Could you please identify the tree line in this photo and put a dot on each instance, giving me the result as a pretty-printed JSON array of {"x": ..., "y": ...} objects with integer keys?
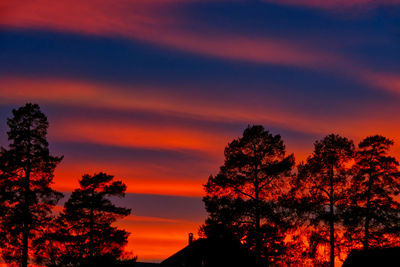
[
  {"x": 82, "y": 233},
  {"x": 341, "y": 197},
  {"x": 263, "y": 209}
]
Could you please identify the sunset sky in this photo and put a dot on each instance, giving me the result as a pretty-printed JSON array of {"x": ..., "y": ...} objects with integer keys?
[{"x": 151, "y": 91}]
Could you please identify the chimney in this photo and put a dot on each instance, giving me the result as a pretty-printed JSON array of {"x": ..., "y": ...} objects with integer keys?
[{"x": 190, "y": 238}]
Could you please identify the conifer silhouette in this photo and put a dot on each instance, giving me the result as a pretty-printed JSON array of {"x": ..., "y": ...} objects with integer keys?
[
  {"x": 373, "y": 211},
  {"x": 246, "y": 189},
  {"x": 85, "y": 235},
  {"x": 322, "y": 183},
  {"x": 26, "y": 176}
]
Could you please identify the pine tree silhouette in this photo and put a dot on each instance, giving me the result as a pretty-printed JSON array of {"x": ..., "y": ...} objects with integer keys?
[
  {"x": 26, "y": 176},
  {"x": 244, "y": 192}
]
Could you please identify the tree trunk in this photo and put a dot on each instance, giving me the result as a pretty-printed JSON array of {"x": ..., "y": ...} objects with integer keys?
[
  {"x": 25, "y": 231},
  {"x": 257, "y": 213},
  {"x": 258, "y": 227},
  {"x": 332, "y": 220},
  {"x": 367, "y": 215},
  {"x": 26, "y": 214},
  {"x": 91, "y": 229}
]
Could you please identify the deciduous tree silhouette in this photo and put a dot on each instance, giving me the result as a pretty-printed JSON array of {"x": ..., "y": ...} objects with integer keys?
[
  {"x": 247, "y": 187},
  {"x": 85, "y": 235},
  {"x": 322, "y": 181},
  {"x": 374, "y": 210},
  {"x": 26, "y": 176}
]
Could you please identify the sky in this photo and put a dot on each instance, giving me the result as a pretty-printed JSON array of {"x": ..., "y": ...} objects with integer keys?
[{"x": 151, "y": 91}]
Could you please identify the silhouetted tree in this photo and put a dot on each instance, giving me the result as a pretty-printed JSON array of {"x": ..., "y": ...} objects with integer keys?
[
  {"x": 85, "y": 235},
  {"x": 224, "y": 246},
  {"x": 6, "y": 192},
  {"x": 26, "y": 176},
  {"x": 244, "y": 193},
  {"x": 374, "y": 211},
  {"x": 322, "y": 182}
]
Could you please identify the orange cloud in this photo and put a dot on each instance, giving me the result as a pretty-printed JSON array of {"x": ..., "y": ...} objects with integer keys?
[
  {"x": 129, "y": 135},
  {"x": 145, "y": 178}
]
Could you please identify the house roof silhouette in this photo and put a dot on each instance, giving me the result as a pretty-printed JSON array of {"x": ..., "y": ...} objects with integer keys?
[
  {"x": 191, "y": 255},
  {"x": 209, "y": 253},
  {"x": 374, "y": 257}
]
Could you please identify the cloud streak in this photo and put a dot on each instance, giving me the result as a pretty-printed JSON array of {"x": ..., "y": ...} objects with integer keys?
[
  {"x": 145, "y": 178},
  {"x": 147, "y": 21},
  {"x": 84, "y": 93},
  {"x": 171, "y": 129}
]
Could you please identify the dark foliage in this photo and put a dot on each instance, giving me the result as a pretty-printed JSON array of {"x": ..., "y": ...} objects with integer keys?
[
  {"x": 26, "y": 176},
  {"x": 373, "y": 212},
  {"x": 83, "y": 234},
  {"x": 243, "y": 196},
  {"x": 259, "y": 213},
  {"x": 321, "y": 186}
]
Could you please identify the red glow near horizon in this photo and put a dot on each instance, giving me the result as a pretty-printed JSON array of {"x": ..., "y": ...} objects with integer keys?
[
  {"x": 153, "y": 239},
  {"x": 66, "y": 180}
]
